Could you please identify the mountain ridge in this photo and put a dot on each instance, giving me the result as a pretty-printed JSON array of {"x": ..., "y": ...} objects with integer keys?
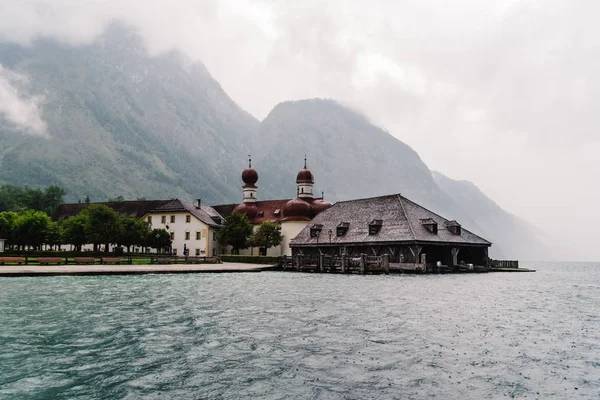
[{"x": 123, "y": 123}]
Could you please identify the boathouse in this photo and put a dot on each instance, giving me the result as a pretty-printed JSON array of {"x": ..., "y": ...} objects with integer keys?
[{"x": 406, "y": 234}]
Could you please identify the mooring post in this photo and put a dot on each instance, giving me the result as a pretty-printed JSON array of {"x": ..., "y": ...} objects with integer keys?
[
  {"x": 363, "y": 263},
  {"x": 321, "y": 262},
  {"x": 344, "y": 264},
  {"x": 385, "y": 263}
]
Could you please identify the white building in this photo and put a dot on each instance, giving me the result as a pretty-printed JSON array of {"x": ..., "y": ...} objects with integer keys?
[{"x": 193, "y": 227}]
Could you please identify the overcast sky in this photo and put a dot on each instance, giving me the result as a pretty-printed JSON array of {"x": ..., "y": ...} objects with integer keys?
[{"x": 504, "y": 94}]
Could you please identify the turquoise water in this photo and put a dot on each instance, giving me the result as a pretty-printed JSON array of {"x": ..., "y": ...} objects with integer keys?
[{"x": 288, "y": 335}]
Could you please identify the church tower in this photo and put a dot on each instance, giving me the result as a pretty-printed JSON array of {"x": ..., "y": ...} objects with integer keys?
[
  {"x": 249, "y": 177},
  {"x": 305, "y": 182}
]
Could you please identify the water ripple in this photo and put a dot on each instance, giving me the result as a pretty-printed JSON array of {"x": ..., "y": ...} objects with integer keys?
[{"x": 285, "y": 335}]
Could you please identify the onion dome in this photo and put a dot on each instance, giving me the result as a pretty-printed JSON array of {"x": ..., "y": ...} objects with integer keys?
[
  {"x": 297, "y": 209},
  {"x": 249, "y": 175},
  {"x": 319, "y": 205},
  {"x": 305, "y": 176},
  {"x": 249, "y": 209}
]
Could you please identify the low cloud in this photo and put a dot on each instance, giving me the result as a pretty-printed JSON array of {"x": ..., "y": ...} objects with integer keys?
[{"x": 18, "y": 107}]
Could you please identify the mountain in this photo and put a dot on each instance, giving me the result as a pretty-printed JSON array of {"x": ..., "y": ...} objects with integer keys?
[
  {"x": 517, "y": 236},
  {"x": 349, "y": 157},
  {"x": 123, "y": 123}
]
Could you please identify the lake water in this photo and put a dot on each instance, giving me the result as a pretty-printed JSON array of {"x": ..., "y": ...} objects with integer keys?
[{"x": 279, "y": 335}]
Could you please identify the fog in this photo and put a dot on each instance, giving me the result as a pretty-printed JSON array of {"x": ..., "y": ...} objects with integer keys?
[{"x": 500, "y": 93}]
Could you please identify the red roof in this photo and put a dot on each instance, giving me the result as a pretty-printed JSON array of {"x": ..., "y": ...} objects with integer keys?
[{"x": 270, "y": 210}]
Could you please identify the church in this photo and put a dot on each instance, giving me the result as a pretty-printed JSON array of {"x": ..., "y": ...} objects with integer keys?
[{"x": 292, "y": 214}]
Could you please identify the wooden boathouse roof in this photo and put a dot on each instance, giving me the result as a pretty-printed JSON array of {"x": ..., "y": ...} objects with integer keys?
[{"x": 401, "y": 220}]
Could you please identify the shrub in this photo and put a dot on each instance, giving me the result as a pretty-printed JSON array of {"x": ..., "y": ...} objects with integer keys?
[{"x": 272, "y": 260}]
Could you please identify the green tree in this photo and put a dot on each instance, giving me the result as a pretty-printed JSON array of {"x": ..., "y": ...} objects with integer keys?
[
  {"x": 235, "y": 232},
  {"x": 88, "y": 200},
  {"x": 7, "y": 220},
  {"x": 132, "y": 231},
  {"x": 14, "y": 198},
  {"x": 267, "y": 235},
  {"x": 158, "y": 239},
  {"x": 54, "y": 234},
  {"x": 75, "y": 230},
  {"x": 53, "y": 197},
  {"x": 30, "y": 228},
  {"x": 103, "y": 225}
]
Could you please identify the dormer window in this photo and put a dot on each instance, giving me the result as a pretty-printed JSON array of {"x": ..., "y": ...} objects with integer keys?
[
  {"x": 342, "y": 228},
  {"x": 261, "y": 214},
  {"x": 277, "y": 212},
  {"x": 430, "y": 225},
  {"x": 315, "y": 230},
  {"x": 375, "y": 226},
  {"x": 454, "y": 227}
]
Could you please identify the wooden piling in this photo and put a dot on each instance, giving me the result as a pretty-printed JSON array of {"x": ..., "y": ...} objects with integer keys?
[{"x": 363, "y": 263}]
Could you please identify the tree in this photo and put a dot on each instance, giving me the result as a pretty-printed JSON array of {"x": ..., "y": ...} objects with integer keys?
[
  {"x": 14, "y": 198},
  {"x": 53, "y": 197},
  {"x": 132, "y": 231},
  {"x": 158, "y": 239},
  {"x": 30, "y": 228},
  {"x": 54, "y": 234},
  {"x": 235, "y": 231},
  {"x": 7, "y": 220},
  {"x": 267, "y": 235},
  {"x": 75, "y": 230},
  {"x": 88, "y": 200},
  {"x": 103, "y": 225}
]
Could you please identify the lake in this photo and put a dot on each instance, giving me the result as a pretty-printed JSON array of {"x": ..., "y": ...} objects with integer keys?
[{"x": 276, "y": 335}]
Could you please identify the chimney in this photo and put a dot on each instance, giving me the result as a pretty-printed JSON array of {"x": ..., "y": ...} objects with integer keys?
[{"x": 198, "y": 203}]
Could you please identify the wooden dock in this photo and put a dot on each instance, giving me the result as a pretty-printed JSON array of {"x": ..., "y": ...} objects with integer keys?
[{"x": 57, "y": 270}]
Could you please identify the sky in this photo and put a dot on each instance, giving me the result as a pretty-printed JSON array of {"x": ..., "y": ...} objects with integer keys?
[{"x": 501, "y": 93}]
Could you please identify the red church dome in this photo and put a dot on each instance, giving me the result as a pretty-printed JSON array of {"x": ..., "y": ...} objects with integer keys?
[
  {"x": 297, "y": 209},
  {"x": 305, "y": 176},
  {"x": 250, "y": 176},
  {"x": 319, "y": 205},
  {"x": 249, "y": 209}
]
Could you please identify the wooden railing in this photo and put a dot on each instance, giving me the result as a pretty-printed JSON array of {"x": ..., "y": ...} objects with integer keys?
[{"x": 504, "y": 263}]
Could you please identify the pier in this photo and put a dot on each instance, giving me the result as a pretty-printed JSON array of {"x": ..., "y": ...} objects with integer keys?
[{"x": 78, "y": 270}]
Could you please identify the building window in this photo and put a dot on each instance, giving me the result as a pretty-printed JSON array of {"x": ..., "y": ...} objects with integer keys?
[
  {"x": 187, "y": 236},
  {"x": 172, "y": 235},
  {"x": 188, "y": 219},
  {"x": 197, "y": 252},
  {"x": 174, "y": 251},
  {"x": 214, "y": 252},
  {"x": 150, "y": 219},
  {"x": 198, "y": 236},
  {"x": 214, "y": 236},
  {"x": 315, "y": 231},
  {"x": 375, "y": 226},
  {"x": 163, "y": 219},
  {"x": 172, "y": 219},
  {"x": 342, "y": 228}
]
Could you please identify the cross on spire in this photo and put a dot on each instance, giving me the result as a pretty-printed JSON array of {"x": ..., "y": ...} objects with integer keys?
[
  {"x": 305, "y": 160},
  {"x": 249, "y": 161}
]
